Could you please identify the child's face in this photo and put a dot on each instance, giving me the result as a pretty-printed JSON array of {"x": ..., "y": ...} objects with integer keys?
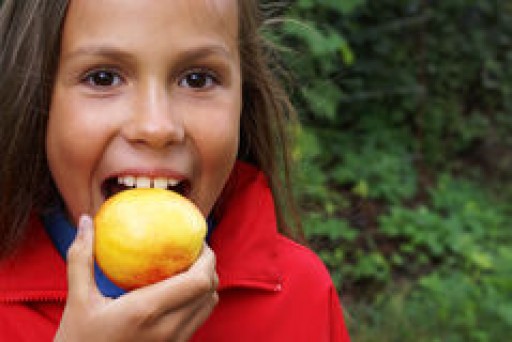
[{"x": 145, "y": 90}]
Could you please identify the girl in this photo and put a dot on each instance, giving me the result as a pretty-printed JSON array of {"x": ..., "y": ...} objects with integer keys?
[{"x": 93, "y": 92}]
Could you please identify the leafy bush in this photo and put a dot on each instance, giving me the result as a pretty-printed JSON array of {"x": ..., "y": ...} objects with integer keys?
[
  {"x": 447, "y": 305},
  {"x": 405, "y": 160}
]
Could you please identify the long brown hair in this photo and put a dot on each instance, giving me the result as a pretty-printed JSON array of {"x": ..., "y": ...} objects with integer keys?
[
  {"x": 267, "y": 115},
  {"x": 29, "y": 43},
  {"x": 30, "y": 34}
]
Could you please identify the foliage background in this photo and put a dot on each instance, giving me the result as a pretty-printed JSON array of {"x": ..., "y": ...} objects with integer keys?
[{"x": 405, "y": 160}]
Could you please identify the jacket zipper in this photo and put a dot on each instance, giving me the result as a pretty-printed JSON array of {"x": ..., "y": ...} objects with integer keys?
[{"x": 33, "y": 296}]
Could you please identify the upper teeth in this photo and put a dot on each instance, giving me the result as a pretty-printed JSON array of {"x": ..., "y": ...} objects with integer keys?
[{"x": 147, "y": 182}]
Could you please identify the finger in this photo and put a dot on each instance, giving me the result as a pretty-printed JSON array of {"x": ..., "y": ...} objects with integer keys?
[
  {"x": 204, "y": 269},
  {"x": 198, "y": 317},
  {"x": 201, "y": 278},
  {"x": 80, "y": 261},
  {"x": 206, "y": 261},
  {"x": 181, "y": 324},
  {"x": 181, "y": 289}
]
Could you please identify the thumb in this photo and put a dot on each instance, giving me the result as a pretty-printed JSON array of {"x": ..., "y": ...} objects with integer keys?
[{"x": 80, "y": 261}]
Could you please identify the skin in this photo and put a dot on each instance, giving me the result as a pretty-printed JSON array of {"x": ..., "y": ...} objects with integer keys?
[
  {"x": 145, "y": 116},
  {"x": 149, "y": 88}
]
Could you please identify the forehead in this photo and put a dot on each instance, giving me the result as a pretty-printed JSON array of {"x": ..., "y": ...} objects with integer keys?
[{"x": 131, "y": 21}]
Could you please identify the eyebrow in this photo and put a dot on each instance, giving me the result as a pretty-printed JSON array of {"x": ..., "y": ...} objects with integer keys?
[{"x": 118, "y": 53}]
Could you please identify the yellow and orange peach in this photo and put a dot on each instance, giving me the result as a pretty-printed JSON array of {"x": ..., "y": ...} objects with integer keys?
[{"x": 143, "y": 236}]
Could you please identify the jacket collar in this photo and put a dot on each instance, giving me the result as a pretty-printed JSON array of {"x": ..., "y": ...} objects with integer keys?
[
  {"x": 245, "y": 238},
  {"x": 244, "y": 242}
]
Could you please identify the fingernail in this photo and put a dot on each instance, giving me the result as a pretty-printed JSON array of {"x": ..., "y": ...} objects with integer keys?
[{"x": 84, "y": 226}]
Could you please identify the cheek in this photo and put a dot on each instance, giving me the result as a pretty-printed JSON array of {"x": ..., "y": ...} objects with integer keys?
[
  {"x": 78, "y": 129},
  {"x": 72, "y": 151},
  {"x": 218, "y": 145},
  {"x": 70, "y": 138},
  {"x": 216, "y": 141},
  {"x": 214, "y": 128}
]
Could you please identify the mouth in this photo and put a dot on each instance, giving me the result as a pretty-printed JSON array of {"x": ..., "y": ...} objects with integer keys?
[{"x": 114, "y": 185}]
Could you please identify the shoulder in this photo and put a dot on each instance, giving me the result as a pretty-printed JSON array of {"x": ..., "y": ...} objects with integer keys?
[
  {"x": 313, "y": 302},
  {"x": 301, "y": 266}
]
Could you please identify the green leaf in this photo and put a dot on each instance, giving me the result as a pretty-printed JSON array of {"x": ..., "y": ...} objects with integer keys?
[
  {"x": 332, "y": 228},
  {"x": 322, "y": 97}
]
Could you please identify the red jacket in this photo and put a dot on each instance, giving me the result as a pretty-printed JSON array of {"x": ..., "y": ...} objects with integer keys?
[{"x": 271, "y": 289}]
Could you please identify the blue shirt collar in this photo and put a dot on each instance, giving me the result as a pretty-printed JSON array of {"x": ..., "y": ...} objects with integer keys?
[{"x": 62, "y": 234}]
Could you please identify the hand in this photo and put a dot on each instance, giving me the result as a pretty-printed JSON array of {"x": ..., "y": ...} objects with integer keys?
[{"x": 170, "y": 310}]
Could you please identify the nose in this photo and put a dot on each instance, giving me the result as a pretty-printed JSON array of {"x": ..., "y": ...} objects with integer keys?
[{"x": 152, "y": 121}]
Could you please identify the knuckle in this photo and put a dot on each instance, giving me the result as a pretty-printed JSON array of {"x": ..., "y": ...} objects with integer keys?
[
  {"x": 210, "y": 303},
  {"x": 215, "y": 299},
  {"x": 203, "y": 282},
  {"x": 216, "y": 281},
  {"x": 142, "y": 315},
  {"x": 212, "y": 259},
  {"x": 163, "y": 333}
]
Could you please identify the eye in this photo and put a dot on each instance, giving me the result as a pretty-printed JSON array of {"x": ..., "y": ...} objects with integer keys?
[
  {"x": 198, "y": 79},
  {"x": 102, "y": 78}
]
